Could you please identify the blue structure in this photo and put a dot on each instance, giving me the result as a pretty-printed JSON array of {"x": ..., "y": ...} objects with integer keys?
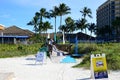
[
  {"x": 68, "y": 59},
  {"x": 76, "y": 54},
  {"x": 55, "y": 37},
  {"x": 13, "y": 39}
]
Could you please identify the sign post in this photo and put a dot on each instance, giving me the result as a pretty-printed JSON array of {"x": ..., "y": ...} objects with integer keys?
[{"x": 99, "y": 67}]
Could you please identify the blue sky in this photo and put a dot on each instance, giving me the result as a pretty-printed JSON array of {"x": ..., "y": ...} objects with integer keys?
[{"x": 20, "y": 12}]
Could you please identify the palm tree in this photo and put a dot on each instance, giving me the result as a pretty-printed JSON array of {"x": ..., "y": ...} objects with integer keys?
[
  {"x": 81, "y": 24},
  {"x": 116, "y": 26},
  {"x": 47, "y": 26},
  {"x": 63, "y": 28},
  {"x": 86, "y": 12},
  {"x": 42, "y": 14},
  {"x": 108, "y": 31},
  {"x": 104, "y": 32},
  {"x": 54, "y": 13},
  {"x": 34, "y": 22},
  {"x": 63, "y": 10},
  {"x": 91, "y": 28},
  {"x": 70, "y": 24}
]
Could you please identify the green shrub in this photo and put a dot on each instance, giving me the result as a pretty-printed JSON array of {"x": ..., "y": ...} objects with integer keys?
[
  {"x": 19, "y": 48},
  {"x": 113, "y": 60},
  {"x": 111, "y": 50},
  {"x": 7, "y": 50},
  {"x": 85, "y": 48}
]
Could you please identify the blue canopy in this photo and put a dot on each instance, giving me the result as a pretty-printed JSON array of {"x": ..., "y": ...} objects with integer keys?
[{"x": 14, "y": 36}]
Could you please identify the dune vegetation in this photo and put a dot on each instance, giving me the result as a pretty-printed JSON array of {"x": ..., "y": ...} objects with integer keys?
[
  {"x": 111, "y": 50},
  {"x": 16, "y": 50}
]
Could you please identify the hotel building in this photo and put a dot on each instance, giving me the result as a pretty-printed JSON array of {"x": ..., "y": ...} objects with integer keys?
[{"x": 107, "y": 12}]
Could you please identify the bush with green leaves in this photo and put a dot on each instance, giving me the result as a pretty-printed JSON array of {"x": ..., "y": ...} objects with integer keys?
[
  {"x": 37, "y": 38},
  {"x": 111, "y": 50},
  {"x": 12, "y": 50}
]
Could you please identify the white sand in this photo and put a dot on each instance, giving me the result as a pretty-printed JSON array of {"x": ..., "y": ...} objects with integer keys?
[{"x": 24, "y": 68}]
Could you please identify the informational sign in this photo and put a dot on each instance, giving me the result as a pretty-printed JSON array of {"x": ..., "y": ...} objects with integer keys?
[
  {"x": 39, "y": 56},
  {"x": 99, "y": 67}
]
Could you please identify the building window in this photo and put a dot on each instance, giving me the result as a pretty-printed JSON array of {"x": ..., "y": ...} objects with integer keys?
[
  {"x": 112, "y": 12},
  {"x": 112, "y": 7},
  {"x": 112, "y": 3}
]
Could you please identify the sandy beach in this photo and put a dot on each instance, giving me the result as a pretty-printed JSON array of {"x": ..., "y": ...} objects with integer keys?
[{"x": 24, "y": 68}]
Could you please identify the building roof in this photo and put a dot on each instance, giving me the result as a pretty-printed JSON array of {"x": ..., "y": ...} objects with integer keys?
[
  {"x": 16, "y": 31},
  {"x": 80, "y": 35},
  {"x": 1, "y": 27}
]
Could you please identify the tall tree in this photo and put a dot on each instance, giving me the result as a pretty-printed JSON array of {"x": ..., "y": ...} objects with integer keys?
[
  {"x": 116, "y": 26},
  {"x": 70, "y": 23},
  {"x": 108, "y": 31},
  {"x": 47, "y": 26},
  {"x": 42, "y": 14},
  {"x": 34, "y": 22},
  {"x": 63, "y": 10},
  {"x": 86, "y": 12},
  {"x": 63, "y": 28},
  {"x": 91, "y": 28},
  {"x": 104, "y": 32},
  {"x": 54, "y": 13},
  {"x": 81, "y": 24}
]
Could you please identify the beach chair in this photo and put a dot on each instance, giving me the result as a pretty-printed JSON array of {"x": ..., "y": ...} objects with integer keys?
[
  {"x": 56, "y": 52},
  {"x": 39, "y": 57}
]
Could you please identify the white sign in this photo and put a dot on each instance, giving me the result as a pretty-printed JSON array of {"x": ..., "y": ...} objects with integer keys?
[{"x": 39, "y": 57}]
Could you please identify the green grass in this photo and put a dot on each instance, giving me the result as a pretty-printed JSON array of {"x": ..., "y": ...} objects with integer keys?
[
  {"x": 7, "y": 50},
  {"x": 112, "y": 51}
]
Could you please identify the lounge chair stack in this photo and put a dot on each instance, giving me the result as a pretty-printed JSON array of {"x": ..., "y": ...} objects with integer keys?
[{"x": 56, "y": 52}]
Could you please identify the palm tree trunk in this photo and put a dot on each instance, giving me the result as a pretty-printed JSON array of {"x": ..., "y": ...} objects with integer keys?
[
  {"x": 63, "y": 30},
  {"x": 63, "y": 37},
  {"x": 55, "y": 30},
  {"x": 60, "y": 20},
  {"x": 55, "y": 24},
  {"x": 90, "y": 36},
  {"x": 85, "y": 31}
]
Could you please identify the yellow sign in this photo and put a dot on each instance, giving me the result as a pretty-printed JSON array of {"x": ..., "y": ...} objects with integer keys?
[{"x": 99, "y": 66}]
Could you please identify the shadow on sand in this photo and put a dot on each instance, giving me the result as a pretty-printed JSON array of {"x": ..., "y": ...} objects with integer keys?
[
  {"x": 30, "y": 59},
  {"x": 84, "y": 79},
  {"x": 34, "y": 64}
]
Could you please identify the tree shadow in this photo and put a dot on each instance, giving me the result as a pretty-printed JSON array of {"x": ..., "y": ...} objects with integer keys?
[
  {"x": 30, "y": 58},
  {"x": 34, "y": 64},
  {"x": 84, "y": 79}
]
